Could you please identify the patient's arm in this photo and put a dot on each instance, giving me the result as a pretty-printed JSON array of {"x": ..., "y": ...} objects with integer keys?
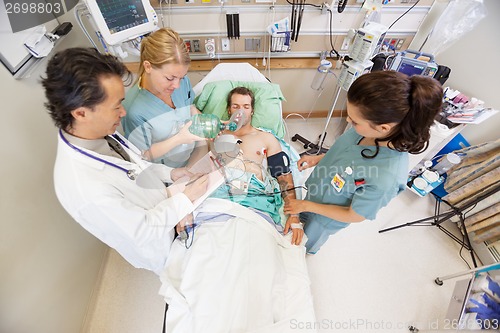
[{"x": 285, "y": 182}]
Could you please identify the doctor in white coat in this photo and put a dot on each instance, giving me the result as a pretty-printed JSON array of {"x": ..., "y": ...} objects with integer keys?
[{"x": 99, "y": 176}]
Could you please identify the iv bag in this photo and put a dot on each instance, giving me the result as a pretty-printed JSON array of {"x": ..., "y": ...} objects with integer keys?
[{"x": 459, "y": 17}]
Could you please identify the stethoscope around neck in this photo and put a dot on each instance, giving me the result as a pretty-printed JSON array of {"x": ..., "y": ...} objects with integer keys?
[{"x": 131, "y": 174}]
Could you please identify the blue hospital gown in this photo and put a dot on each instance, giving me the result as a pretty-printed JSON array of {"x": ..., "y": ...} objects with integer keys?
[{"x": 264, "y": 196}]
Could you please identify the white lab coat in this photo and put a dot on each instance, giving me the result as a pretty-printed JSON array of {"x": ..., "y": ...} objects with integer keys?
[{"x": 138, "y": 222}]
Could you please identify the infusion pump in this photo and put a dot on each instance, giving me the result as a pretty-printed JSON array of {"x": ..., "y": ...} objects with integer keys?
[
  {"x": 351, "y": 70},
  {"x": 413, "y": 63}
]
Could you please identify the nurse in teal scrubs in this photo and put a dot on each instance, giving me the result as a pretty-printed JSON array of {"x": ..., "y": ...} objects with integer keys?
[
  {"x": 367, "y": 167},
  {"x": 160, "y": 103}
]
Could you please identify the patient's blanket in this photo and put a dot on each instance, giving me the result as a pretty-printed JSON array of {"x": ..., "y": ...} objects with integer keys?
[
  {"x": 238, "y": 275},
  {"x": 263, "y": 195},
  {"x": 248, "y": 190}
]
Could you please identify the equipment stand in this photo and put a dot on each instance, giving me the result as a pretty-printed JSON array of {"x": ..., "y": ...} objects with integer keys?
[
  {"x": 439, "y": 218},
  {"x": 317, "y": 149}
]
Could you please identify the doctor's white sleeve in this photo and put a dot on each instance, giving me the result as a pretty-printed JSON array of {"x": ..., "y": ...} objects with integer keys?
[{"x": 142, "y": 235}]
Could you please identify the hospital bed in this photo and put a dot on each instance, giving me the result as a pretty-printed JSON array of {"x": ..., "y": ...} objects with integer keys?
[{"x": 236, "y": 272}]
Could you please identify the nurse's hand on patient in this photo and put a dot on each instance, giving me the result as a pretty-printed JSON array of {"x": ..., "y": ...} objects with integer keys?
[
  {"x": 294, "y": 224},
  {"x": 196, "y": 187},
  {"x": 294, "y": 206},
  {"x": 308, "y": 161}
]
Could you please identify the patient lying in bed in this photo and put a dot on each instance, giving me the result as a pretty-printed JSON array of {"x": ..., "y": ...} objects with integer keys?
[
  {"x": 258, "y": 173},
  {"x": 236, "y": 272}
]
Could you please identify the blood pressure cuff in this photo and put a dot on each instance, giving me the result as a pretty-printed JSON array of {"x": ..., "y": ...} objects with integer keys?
[{"x": 279, "y": 164}]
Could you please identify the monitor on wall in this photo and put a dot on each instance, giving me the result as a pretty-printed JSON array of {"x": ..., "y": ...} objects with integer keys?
[{"x": 122, "y": 20}]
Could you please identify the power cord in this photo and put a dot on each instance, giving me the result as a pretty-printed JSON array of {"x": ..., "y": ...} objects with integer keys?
[
  {"x": 165, "y": 319},
  {"x": 306, "y": 4},
  {"x": 403, "y": 15},
  {"x": 331, "y": 36}
]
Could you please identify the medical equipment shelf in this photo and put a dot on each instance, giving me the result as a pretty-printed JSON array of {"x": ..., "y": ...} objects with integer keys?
[{"x": 275, "y": 63}]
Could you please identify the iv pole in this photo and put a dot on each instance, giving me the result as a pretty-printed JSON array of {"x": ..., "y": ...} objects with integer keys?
[{"x": 317, "y": 149}]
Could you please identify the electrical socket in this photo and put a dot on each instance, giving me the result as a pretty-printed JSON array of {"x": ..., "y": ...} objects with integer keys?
[
  {"x": 196, "y": 45},
  {"x": 188, "y": 45},
  {"x": 225, "y": 46}
]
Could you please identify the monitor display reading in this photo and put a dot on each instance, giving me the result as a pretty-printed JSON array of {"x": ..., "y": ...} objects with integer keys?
[
  {"x": 410, "y": 69},
  {"x": 121, "y": 15},
  {"x": 119, "y": 21}
]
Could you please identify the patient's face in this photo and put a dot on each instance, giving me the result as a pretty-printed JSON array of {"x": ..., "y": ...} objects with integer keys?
[{"x": 243, "y": 102}]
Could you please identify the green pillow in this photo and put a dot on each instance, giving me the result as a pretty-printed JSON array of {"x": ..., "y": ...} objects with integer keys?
[{"x": 267, "y": 110}]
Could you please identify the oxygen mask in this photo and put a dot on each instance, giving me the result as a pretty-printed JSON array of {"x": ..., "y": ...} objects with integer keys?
[{"x": 236, "y": 121}]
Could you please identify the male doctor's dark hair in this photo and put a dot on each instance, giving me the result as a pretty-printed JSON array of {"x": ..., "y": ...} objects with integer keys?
[{"x": 73, "y": 80}]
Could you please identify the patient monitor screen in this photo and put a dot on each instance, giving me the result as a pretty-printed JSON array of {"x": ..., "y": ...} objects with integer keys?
[
  {"x": 410, "y": 69},
  {"x": 122, "y": 14}
]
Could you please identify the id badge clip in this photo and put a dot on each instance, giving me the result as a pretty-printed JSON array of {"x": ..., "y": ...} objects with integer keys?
[{"x": 338, "y": 181}]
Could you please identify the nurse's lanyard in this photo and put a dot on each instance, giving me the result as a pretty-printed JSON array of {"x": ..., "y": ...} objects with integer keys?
[{"x": 131, "y": 174}]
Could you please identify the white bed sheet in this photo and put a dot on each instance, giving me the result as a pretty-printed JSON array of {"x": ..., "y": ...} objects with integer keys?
[{"x": 240, "y": 275}]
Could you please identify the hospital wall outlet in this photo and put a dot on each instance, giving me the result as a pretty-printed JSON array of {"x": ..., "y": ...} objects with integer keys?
[
  {"x": 210, "y": 47},
  {"x": 188, "y": 45},
  {"x": 196, "y": 45},
  {"x": 225, "y": 46}
]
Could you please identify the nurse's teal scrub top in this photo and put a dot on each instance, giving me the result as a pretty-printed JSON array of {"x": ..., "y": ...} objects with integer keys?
[{"x": 369, "y": 183}]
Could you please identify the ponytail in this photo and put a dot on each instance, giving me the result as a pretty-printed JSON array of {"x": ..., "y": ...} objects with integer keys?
[
  {"x": 412, "y": 102},
  {"x": 425, "y": 101}
]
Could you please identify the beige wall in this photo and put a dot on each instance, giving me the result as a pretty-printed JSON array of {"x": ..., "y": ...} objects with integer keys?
[
  {"x": 48, "y": 263},
  {"x": 473, "y": 60}
]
